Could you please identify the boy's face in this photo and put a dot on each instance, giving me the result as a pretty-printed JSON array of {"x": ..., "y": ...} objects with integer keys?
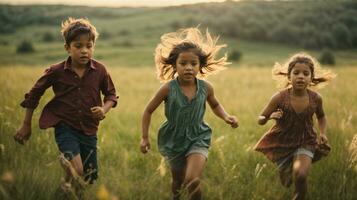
[
  {"x": 81, "y": 50},
  {"x": 187, "y": 65}
]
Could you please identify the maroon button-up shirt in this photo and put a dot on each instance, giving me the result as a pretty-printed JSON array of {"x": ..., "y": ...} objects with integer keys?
[{"x": 74, "y": 96}]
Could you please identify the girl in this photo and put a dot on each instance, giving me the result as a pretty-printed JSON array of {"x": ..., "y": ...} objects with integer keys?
[
  {"x": 184, "y": 138},
  {"x": 292, "y": 142}
]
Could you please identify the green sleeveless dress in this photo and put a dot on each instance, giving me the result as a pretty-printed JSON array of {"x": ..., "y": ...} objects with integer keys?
[{"x": 184, "y": 127}]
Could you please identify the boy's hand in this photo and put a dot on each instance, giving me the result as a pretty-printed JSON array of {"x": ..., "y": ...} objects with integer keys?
[
  {"x": 232, "y": 120},
  {"x": 23, "y": 134},
  {"x": 144, "y": 145},
  {"x": 277, "y": 114},
  {"x": 98, "y": 112}
]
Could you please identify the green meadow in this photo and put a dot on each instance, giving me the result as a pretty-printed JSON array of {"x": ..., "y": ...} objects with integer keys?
[{"x": 126, "y": 45}]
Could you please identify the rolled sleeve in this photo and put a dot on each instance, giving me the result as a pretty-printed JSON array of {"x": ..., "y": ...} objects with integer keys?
[
  {"x": 32, "y": 98},
  {"x": 108, "y": 90}
]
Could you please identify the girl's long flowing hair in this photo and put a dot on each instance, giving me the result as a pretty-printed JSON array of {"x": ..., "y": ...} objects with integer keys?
[
  {"x": 172, "y": 44},
  {"x": 319, "y": 77}
]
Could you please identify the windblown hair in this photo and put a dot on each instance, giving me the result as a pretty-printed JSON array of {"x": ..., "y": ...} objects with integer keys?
[
  {"x": 319, "y": 77},
  {"x": 72, "y": 28},
  {"x": 190, "y": 39}
]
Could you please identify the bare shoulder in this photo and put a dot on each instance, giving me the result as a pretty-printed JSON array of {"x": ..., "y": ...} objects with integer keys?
[
  {"x": 276, "y": 97},
  {"x": 164, "y": 89},
  {"x": 208, "y": 85}
]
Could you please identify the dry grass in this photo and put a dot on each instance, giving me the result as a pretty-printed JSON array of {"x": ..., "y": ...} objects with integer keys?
[{"x": 233, "y": 170}]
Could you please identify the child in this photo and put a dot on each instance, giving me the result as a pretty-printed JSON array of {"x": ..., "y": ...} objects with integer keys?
[
  {"x": 76, "y": 109},
  {"x": 292, "y": 143},
  {"x": 184, "y": 138}
]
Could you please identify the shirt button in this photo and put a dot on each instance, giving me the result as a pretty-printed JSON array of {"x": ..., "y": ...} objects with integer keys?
[
  {"x": 79, "y": 88},
  {"x": 79, "y": 111}
]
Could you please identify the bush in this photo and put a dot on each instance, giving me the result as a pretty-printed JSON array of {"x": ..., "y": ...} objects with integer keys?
[
  {"x": 25, "y": 47},
  {"x": 125, "y": 43},
  {"x": 235, "y": 55},
  {"x": 175, "y": 25},
  {"x": 105, "y": 35},
  {"x": 124, "y": 32},
  {"x": 48, "y": 37},
  {"x": 327, "y": 58}
]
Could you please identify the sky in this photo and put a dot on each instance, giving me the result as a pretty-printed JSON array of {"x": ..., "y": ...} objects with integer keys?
[{"x": 116, "y": 3}]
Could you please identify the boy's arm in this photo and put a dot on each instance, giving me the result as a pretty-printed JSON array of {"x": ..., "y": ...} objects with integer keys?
[
  {"x": 33, "y": 97},
  {"x": 110, "y": 98},
  {"x": 218, "y": 109},
  {"x": 31, "y": 102},
  {"x": 159, "y": 97},
  {"x": 108, "y": 105},
  {"x": 269, "y": 109},
  {"x": 99, "y": 112},
  {"x": 24, "y": 132},
  {"x": 108, "y": 90}
]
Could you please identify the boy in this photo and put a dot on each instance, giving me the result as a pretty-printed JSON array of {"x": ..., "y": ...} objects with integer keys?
[{"x": 76, "y": 109}]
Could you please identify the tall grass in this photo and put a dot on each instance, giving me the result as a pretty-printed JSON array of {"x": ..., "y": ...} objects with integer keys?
[{"x": 233, "y": 170}]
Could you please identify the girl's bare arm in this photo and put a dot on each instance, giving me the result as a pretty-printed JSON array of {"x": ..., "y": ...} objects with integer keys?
[
  {"x": 218, "y": 109},
  {"x": 321, "y": 119},
  {"x": 270, "y": 108},
  {"x": 159, "y": 97}
]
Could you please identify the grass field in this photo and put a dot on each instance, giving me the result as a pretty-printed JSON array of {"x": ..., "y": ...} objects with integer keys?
[
  {"x": 233, "y": 170},
  {"x": 126, "y": 45}
]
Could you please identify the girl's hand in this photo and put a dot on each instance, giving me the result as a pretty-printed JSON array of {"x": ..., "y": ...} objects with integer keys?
[
  {"x": 323, "y": 138},
  {"x": 232, "y": 120},
  {"x": 23, "y": 134},
  {"x": 98, "y": 112},
  {"x": 277, "y": 114},
  {"x": 144, "y": 145}
]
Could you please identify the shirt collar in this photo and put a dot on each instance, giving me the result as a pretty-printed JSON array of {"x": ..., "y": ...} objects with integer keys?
[{"x": 68, "y": 62}]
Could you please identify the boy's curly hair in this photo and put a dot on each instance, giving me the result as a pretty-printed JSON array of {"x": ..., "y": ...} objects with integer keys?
[
  {"x": 281, "y": 73},
  {"x": 72, "y": 28},
  {"x": 190, "y": 39}
]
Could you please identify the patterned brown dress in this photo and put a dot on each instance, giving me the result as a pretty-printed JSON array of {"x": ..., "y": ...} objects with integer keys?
[{"x": 293, "y": 130}]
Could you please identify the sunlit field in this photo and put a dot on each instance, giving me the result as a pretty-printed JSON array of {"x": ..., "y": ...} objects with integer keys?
[
  {"x": 257, "y": 34},
  {"x": 233, "y": 171}
]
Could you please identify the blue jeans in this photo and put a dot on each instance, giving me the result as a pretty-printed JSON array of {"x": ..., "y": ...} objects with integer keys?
[{"x": 72, "y": 142}]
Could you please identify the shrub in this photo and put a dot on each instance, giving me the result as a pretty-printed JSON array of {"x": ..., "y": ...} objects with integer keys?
[
  {"x": 105, "y": 35},
  {"x": 48, "y": 37},
  {"x": 327, "y": 57},
  {"x": 25, "y": 47},
  {"x": 235, "y": 55}
]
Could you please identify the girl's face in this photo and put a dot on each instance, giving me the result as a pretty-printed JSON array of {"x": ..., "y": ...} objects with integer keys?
[
  {"x": 300, "y": 76},
  {"x": 187, "y": 66}
]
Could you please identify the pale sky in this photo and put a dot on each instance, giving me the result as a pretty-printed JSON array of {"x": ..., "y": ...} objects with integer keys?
[{"x": 117, "y": 3}]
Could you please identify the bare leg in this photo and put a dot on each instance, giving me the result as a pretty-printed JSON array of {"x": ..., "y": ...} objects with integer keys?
[
  {"x": 194, "y": 168},
  {"x": 73, "y": 168},
  {"x": 285, "y": 175},
  {"x": 72, "y": 187},
  {"x": 301, "y": 168},
  {"x": 177, "y": 180}
]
